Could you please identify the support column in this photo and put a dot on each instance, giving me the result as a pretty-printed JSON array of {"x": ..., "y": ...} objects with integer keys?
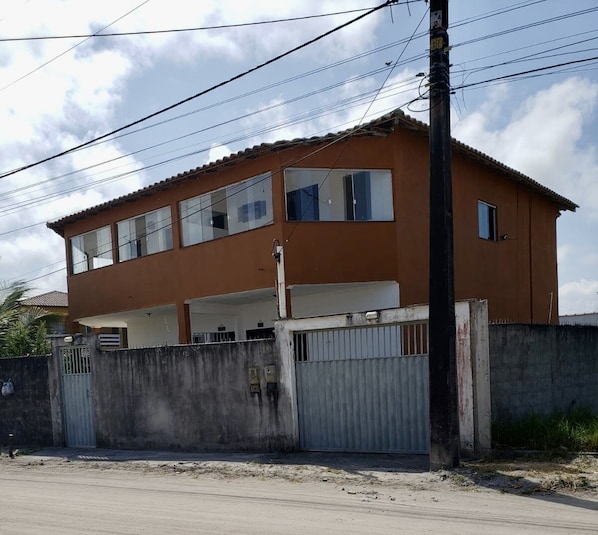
[{"x": 184, "y": 321}]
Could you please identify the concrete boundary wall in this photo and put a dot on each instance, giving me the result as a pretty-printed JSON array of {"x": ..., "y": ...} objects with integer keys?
[
  {"x": 192, "y": 398},
  {"x": 542, "y": 368},
  {"x": 26, "y": 414}
]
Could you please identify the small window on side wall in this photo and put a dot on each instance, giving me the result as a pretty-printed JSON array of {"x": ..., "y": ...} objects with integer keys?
[{"x": 487, "y": 221}]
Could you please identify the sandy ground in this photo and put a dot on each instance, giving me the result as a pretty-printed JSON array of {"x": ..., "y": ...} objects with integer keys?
[
  {"x": 70, "y": 491},
  {"x": 523, "y": 474}
]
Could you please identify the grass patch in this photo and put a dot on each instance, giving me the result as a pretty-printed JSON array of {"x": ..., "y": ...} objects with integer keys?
[{"x": 574, "y": 431}]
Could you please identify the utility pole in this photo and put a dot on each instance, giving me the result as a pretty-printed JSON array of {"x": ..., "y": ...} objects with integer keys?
[{"x": 444, "y": 404}]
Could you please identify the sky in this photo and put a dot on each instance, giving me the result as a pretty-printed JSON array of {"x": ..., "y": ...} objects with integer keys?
[{"x": 525, "y": 91}]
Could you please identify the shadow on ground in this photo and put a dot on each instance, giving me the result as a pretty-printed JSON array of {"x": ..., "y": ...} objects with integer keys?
[{"x": 348, "y": 462}]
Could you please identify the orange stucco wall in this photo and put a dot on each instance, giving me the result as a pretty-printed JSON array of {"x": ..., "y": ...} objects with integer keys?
[{"x": 517, "y": 276}]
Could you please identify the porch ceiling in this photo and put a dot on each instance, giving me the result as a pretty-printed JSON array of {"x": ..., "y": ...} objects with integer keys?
[{"x": 121, "y": 319}]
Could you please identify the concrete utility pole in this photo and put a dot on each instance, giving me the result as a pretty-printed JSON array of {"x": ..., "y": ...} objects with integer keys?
[{"x": 444, "y": 404}]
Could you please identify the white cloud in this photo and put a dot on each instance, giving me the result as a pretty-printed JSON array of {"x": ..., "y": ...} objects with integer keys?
[
  {"x": 578, "y": 297},
  {"x": 217, "y": 152},
  {"x": 541, "y": 138}
]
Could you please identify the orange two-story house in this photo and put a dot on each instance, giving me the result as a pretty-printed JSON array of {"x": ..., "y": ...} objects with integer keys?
[{"x": 189, "y": 259}]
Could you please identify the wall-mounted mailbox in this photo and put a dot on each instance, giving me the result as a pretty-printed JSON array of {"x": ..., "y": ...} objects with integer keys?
[
  {"x": 271, "y": 382},
  {"x": 270, "y": 372},
  {"x": 254, "y": 380}
]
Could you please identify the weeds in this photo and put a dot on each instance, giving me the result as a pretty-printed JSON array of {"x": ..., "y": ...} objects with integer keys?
[{"x": 573, "y": 431}]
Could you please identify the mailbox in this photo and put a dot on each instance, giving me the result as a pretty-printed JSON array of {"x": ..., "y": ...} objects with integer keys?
[{"x": 254, "y": 380}]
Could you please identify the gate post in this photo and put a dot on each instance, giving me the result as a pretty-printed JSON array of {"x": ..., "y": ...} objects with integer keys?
[
  {"x": 285, "y": 347},
  {"x": 55, "y": 391},
  {"x": 473, "y": 376}
]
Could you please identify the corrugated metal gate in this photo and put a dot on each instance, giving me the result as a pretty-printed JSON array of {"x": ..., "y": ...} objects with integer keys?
[
  {"x": 363, "y": 389},
  {"x": 77, "y": 396}
]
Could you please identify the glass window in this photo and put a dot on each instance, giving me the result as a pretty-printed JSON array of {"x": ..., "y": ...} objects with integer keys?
[
  {"x": 145, "y": 234},
  {"x": 338, "y": 195},
  {"x": 242, "y": 206},
  {"x": 487, "y": 221},
  {"x": 91, "y": 250}
]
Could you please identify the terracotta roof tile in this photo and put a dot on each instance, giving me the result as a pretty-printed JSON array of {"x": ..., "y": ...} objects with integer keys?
[
  {"x": 49, "y": 299},
  {"x": 384, "y": 124}
]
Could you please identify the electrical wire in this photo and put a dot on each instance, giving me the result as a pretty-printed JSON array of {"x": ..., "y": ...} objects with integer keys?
[
  {"x": 302, "y": 117},
  {"x": 517, "y": 74},
  {"x": 523, "y": 74},
  {"x": 184, "y": 155},
  {"x": 280, "y": 104},
  {"x": 494, "y": 13},
  {"x": 136, "y": 170},
  {"x": 308, "y": 206},
  {"x": 201, "y": 93},
  {"x": 195, "y": 29},
  {"x": 71, "y": 48}
]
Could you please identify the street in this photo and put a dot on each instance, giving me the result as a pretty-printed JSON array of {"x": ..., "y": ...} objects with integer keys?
[{"x": 63, "y": 497}]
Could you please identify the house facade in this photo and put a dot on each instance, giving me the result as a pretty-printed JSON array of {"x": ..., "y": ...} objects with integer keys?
[{"x": 190, "y": 259}]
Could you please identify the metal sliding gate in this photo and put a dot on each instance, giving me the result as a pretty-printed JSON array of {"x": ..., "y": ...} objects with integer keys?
[
  {"x": 77, "y": 396},
  {"x": 363, "y": 389}
]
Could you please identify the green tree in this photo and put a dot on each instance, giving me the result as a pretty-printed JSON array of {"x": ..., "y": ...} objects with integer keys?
[{"x": 22, "y": 329}]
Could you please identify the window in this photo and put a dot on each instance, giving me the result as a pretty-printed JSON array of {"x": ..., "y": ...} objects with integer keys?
[
  {"x": 487, "y": 221},
  {"x": 91, "y": 250},
  {"x": 338, "y": 195},
  {"x": 144, "y": 235},
  {"x": 242, "y": 206}
]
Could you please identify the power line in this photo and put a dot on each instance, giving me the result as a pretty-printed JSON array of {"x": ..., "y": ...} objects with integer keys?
[
  {"x": 15, "y": 207},
  {"x": 70, "y": 49},
  {"x": 109, "y": 134},
  {"x": 201, "y": 93},
  {"x": 550, "y": 20},
  {"x": 514, "y": 75},
  {"x": 268, "y": 175},
  {"x": 301, "y": 117},
  {"x": 30, "y": 201},
  {"x": 194, "y": 29},
  {"x": 523, "y": 75},
  {"x": 235, "y": 119},
  {"x": 308, "y": 206}
]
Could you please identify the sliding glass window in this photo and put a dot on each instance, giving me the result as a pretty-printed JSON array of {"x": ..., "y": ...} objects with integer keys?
[
  {"x": 237, "y": 208},
  {"x": 338, "y": 195},
  {"x": 144, "y": 234},
  {"x": 91, "y": 250}
]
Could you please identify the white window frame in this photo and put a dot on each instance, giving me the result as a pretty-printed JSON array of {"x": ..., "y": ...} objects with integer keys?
[
  {"x": 323, "y": 194},
  {"x": 154, "y": 237},
  {"x": 91, "y": 250},
  {"x": 233, "y": 209}
]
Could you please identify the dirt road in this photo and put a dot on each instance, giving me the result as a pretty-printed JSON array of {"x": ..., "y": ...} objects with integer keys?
[{"x": 92, "y": 494}]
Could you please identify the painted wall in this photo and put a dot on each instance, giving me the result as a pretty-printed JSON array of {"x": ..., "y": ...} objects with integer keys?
[
  {"x": 191, "y": 398},
  {"x": 542, "y": 368},
  {"x": 155, "y": 330},
  {"x": 510, "y": 273},
  {"x": 517, "y": 276},
  {"x": 374, "y": 296},
  {"x": 26, "y": 414}
]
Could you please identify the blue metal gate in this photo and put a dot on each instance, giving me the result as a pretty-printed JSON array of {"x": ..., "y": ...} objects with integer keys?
[
  {"x": 77, "y": 396},
  {"x": 363, "y": 389}
]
